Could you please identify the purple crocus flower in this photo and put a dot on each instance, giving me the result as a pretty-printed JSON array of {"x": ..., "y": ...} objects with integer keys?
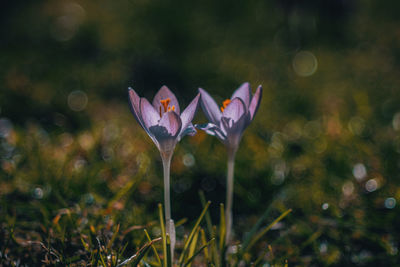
[
  {"x": 162, "y": 120},
  {"x": 165, "y": 125},
  {"x": 229, "y": 121}
]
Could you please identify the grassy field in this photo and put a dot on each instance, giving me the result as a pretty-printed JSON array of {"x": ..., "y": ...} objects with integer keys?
[{"x": 80, "y": 180}]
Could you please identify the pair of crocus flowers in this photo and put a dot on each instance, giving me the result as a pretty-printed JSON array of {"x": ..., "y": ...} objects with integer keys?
[{"x": 164, "y": 122}]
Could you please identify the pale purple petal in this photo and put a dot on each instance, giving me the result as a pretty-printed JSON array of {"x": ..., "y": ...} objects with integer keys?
[
  {"x": 255, "y": 102},
  {"x": 235, "y": 110},
  {"x": 244, "y": 93},
  {"x": 212, "y": 129},
  {"x": 163, "y": 94},
  {"x": 134, "y": 101},
  {"x": 165, "y": 133},
  {"x": 235, "y": 131},
  {"x": 190, "y": 130},
  {"x": 188, "y": 114},
  {"x": 150, "y": 116},
  {"x": 210, "y": 107},
  {"x": 225, "y": 124},
  {"x": 172, "y": 122}
]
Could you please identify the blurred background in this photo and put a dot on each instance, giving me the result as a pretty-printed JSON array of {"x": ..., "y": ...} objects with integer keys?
[{"x": 325, "y": 141}]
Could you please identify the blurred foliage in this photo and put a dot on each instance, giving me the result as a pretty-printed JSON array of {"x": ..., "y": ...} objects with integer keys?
[{"x": 325, "y": 142}]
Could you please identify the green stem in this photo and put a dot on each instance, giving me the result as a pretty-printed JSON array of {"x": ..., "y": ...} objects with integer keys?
[{"x": 229, "y": 194}]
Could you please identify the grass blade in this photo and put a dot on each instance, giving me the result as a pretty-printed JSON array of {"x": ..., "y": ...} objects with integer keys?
[
  {"x": 190, "y": 238},
  {"x": 255, "y": 228},
  {"x": 258, "y": 261},
  {"x": 222, "y": 228},
  {"x": 169, "y": 256},
  {"x": 214, "y": 250},
  {"x": 130, "y": 186},
  {"x": 208, "y": 216},
  {"x": 180, "y": 222},
  {"x": 153, "y": 247},
  {"x": 204, "y": 242},
  {"x": 137, "y": 257},
  {"x": 266, "y": 229},
  {"x": 192, "y": 247},
  {"x": 197, "y": 253},
  {"x": 163, "y": 233},
  {"x": 115, "y": 234}
]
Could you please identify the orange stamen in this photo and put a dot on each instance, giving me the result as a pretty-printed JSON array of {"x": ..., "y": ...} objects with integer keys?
[
  {"x": 225, "y": 104},
  {"x": 165, "y": 103}
]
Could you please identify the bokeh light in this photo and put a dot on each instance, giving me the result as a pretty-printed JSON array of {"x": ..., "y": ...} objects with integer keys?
[
  {"x": 396, "y": 121},
  {"x": 359, "y": 171},
  {"x": 305, "y": 63},
  {"x": 5, "y": 127},
  {"x": 390, "y": 203},
  {"x": 371, "y": 185},
  {"x": 77, "y": 100},
  {"x": 188, "y": 160},
  {"x": 67, "y": 24}
]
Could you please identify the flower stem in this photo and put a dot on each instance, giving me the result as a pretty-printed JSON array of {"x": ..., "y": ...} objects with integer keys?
[
  {"x": 169, "y": 223},
  {"x": 166, "y": 160},
  {"x": 229, "y": 194}
]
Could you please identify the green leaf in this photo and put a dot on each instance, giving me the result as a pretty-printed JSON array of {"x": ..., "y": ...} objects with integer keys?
[
  {"x": 137, "y": 257},
  {"x": 180, "y": 222},
  {"x": 191, "y": 235},
  {"x": 208, "y": 217},
  {"x": 127, "y": 188},
  {"x": 197, "y": 253},
  {"x": 204, "y": 242},
  {"x": 192, "y": 247},
  {"x": 153, "y": 247},
  {"x": 222, "y": 228},
  {"x": 115, "y": 234},
  {"x": 163, "y": 233},
  {"x": 169, "y": 256},
  {"x": 255, "y": 228},
  {"x": 102, "y": 261},
  {"x": 266, "y": 229}
]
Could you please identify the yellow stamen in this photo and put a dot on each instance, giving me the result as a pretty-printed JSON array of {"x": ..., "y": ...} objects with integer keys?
[
  {"x": 171, "y": 108},
  {"x": 225, "y": 104}
]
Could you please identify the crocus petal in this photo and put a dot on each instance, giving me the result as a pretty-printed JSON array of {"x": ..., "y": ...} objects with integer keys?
[
  {"x": 134, "y": 101},
  {"x": 150, "y": 116},
  {"x": 172, "y": 122},
  {"x": 190, "y": 130},
  {"x": 235, "y": 110},
  {"x": 244, "y": 93},
  {"x": 163, "y": 94},
  {"x": 225, "y": 124},
  {"x": 210, "y": 107},
  {"x": 166, "y": 131},
  {"x": 188, "y": 114},
  {"x": 212, "y": 129},
  {"x": 235, "y": 131},
  {"x": 255, "y": 102}
]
